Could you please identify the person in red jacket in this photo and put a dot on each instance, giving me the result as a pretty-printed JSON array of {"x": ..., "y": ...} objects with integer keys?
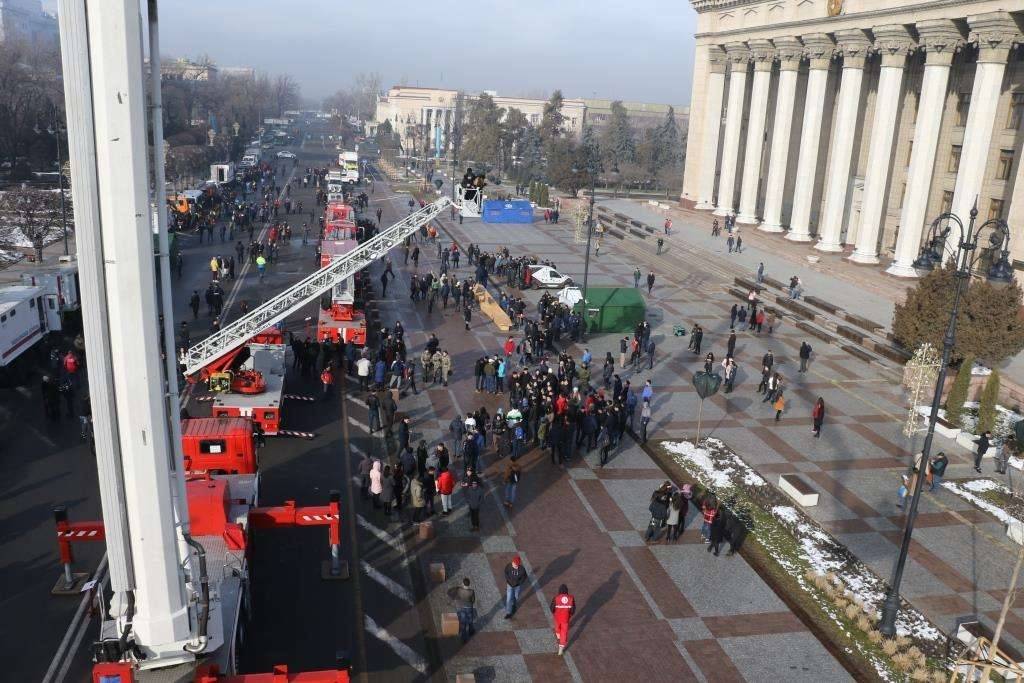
[
  {"x": 563, "y": 606},
  {"x": 327, "y": 377},
  {"x": 445, "y": 486},
  {"x": 510, "y": 347}
]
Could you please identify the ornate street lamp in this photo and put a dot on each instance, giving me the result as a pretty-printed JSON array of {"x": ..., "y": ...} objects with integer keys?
[{"x": 965, "y": 259}]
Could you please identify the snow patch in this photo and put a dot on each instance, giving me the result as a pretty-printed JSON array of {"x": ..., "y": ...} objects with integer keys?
[
  {"x": 966, "y": 490},
  {"x": 719, "y": 468}
]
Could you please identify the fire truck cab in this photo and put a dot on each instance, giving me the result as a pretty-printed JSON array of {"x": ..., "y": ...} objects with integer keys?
[
  {"x": 264, "y": 408},
  {"x": 219, "y": 445}
]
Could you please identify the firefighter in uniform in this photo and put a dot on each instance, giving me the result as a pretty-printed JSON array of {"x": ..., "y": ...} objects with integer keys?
[{"x": 563, "y": 606}]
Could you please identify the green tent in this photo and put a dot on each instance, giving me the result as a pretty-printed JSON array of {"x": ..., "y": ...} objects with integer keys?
[{"x": 613, "y": 309}]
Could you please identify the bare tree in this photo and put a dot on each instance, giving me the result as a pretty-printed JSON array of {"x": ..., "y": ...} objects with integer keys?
[
  {"x": 284, "y": 94},
  {"x": 29, "y": 216}
]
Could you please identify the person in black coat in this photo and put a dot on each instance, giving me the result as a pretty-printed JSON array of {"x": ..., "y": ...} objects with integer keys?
[
  {"x": 404, "y": 433},
  {"x": 983, "y": 442},
  {"x": 718, "y": 527}
]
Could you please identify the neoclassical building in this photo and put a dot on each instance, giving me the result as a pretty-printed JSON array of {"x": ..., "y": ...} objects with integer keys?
[{"x": 853, "y": 123}]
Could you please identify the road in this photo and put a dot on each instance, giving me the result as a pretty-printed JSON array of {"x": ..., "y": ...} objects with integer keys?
[{"x": 298, "y": 619}]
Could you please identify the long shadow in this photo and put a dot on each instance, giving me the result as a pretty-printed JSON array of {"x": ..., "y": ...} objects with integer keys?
[
  {"x": 556, "y": 567},
  {"x": 598, "y": 599}
]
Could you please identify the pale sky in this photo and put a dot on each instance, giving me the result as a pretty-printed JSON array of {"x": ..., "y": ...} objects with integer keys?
[{"x": 638, "y": 50}]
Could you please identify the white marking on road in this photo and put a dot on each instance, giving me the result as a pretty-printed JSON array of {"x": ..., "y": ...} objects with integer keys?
[
  {"x": 411, "y": 657},
  {"x": 397, "y": 589},
  {"x": 384, "y": 536},
  {"x": 362, "y": 425},
  {"x": 76, "y": 630}
]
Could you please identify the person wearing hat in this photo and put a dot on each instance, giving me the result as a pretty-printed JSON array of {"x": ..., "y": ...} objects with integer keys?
[
  {"x": 563, "y": 606},
  {"x": 515, "y": 577}
]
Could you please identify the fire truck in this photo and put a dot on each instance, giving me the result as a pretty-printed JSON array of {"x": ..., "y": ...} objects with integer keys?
[
  {"x": 253, "y": 387},
  {"x": 339, "y": 320},
  {"x": 177, "y": 544},
  {"x": 219, "y": 445}
]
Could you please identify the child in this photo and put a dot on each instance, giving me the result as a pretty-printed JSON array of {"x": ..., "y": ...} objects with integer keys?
[{"x": 902, "y": 493}]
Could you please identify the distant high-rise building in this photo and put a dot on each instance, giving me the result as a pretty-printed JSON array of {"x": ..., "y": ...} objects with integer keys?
[{"x": 26, "y": 20}]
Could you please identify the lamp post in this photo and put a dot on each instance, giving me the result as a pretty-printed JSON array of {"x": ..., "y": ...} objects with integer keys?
[
  {"x": 592, "y": 170},
  {"x": 55, "y": 131},
  {"x": 964, "y": 259}
]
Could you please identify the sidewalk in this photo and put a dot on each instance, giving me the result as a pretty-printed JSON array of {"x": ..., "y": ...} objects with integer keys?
[
  {"x": 960, "y": 561},
  {"x": 651, "y": 612},
  {"x": 865, "y": 290}
]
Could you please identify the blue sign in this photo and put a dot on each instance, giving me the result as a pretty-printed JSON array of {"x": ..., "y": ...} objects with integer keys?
[{"x": 507, "y": 211}]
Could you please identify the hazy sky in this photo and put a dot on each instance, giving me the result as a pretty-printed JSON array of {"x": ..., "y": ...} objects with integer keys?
[{"x": 637, "y": 50}]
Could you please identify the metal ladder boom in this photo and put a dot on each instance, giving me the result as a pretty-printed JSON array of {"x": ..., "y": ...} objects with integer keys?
[{"x": 240, "y": 331}]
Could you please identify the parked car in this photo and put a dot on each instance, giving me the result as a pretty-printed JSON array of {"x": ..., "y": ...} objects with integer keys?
[
  {"x": 285, "y": 154},
  {"x": 546, "y": 276}
]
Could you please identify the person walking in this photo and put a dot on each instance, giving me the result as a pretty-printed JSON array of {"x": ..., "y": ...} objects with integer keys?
[
  {"x": 512, "y": 475},
  {"x": 675, "y": 516},
  {"x": 636, "y": 277},
  {"x": 563, "y": 606},
  {"x": 445, "y": 487},
  {"x": 464, "y": 598},
  {"x": 730, "y": 242},
  {"x": 327, "y": 379},
  {"x": 515, "y": 577},
  {"x": 805, "y": 355},
  {"x": 416, "y": 497},
  {"x": 901, "y": 492},
  {"x": 760, "y": 272},
  {"x": 937, "y": 469},
  {"x": 818, "y": 416},
  {"x": 645, "y": 419},
  {"x": 739, "y": 248},
  {"x": 779, "y": 404},
  {"x": 376, "y": 483},
  {"x": 1000, "y": 457},
  {"x": 474, "y": 493},
  {"x": 983, "y": 442},
  {"x": 730, "y": 347},
  {"x": 650, "y": 281}
]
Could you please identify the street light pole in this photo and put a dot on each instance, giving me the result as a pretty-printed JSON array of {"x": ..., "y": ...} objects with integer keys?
[
  {"x": 60, "y": 182},
  {"x": 586, "y": 260},
  {"x": 931, "y": 255}
]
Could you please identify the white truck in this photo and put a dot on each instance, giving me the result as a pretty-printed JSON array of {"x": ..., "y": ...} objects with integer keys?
[
  {"x": 22, "y": 321},
  {"x": 222, "y": 173},
  {"x": 335, "y": 182},
  {"x": 251, "y": 157},
  {"x": 349, "y": 163}
]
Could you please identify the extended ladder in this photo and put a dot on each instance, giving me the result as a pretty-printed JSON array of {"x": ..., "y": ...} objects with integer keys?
[{"x": 234, "y": 335}]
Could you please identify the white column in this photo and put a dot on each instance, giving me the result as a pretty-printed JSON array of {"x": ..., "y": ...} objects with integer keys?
[
  {"x": 941, "y": 40},
  {"x": 712, "y": 127},
  {"x": 893, "y": 43},
  {"x": 763, "y": 55},
  {"x": 738, "y": 60},
  {"x": 790, "y": 51},
  {"x": 995, "y": 34},
  {"x": 854, "y": 46},
  {"x": 819, "y": 49}
]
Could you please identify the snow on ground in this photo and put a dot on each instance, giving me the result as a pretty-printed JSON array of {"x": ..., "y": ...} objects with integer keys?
[
  {"x": 718, "y": 465},
  {"x": 720, "y": 469},
  {"x": 968, "y": 489}
]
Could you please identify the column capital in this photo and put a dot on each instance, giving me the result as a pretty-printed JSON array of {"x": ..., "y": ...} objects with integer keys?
[
  {"x": 941, "y": 39},
  {"x": 762, "y": 54},
  {"x": 717, "y": 59},
  {"x": 893, "y": 43},
  {"x": 854, "y": 46},
  {"x": 995, "y": 34},
  {"x": 737, "y": 54},
  {"x": 790, "y": 51},
  {"x": 819, "y": 48}
]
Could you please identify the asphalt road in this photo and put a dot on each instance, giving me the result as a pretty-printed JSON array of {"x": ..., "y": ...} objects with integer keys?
[{"x": 298, "y": 619}]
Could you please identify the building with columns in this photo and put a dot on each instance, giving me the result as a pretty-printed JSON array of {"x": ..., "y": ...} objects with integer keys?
[
  {"x": 852, "y": 124},
  {"x": 415, "y": 111}
]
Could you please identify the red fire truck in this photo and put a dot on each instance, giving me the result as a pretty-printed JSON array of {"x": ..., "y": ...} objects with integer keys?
[
  {"x": 339, "y": 320},
  {"x": 254, "y": 388},
  {"x": 219, "y": 445}
]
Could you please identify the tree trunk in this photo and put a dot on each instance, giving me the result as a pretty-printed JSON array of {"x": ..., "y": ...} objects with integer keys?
[{"x": 37, "y": 244}]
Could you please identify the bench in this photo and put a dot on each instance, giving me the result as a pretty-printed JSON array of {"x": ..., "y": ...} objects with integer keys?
[
  {"x": 813, "y": 331},
  {"x": 792, "y": 306},
  {"x": 798, "y": 489},
  {"x": 638, "y": 233},
  {"x": 822, "y": 304},
  {"x": 862, "y": 322},
  {"x": 772, "y": 282},
  {"x": 849, "y": 333},
  {"x": 748, "y": 284},
  {"x": 615, "y": 233},
  {"x": 857, "y": 352},
  {"x": 893, "y": 353}
]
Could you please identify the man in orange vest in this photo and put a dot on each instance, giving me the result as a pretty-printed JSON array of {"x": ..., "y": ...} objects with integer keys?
[
  {"x": 563, "y": 606},
  {"x": 327, "y": 377}
]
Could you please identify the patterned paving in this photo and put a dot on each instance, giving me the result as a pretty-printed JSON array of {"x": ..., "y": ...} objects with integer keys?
[{"x": 660, "y": 612}]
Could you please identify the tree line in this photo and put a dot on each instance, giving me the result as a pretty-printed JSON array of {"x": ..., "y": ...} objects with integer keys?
[{"x": 507, "y": 144}]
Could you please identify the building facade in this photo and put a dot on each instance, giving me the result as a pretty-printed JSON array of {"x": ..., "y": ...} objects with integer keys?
[
  {"x": 26, "y": 20},
  {"x": 854, "y": 123},
  {"x": 414, "y": 111}
]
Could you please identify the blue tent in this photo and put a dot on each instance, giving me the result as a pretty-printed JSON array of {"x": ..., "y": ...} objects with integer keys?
[{"x": 510, "y": 211}]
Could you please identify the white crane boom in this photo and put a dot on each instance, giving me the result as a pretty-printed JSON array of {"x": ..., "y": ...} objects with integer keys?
[{"x": 234, "y": 335}]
